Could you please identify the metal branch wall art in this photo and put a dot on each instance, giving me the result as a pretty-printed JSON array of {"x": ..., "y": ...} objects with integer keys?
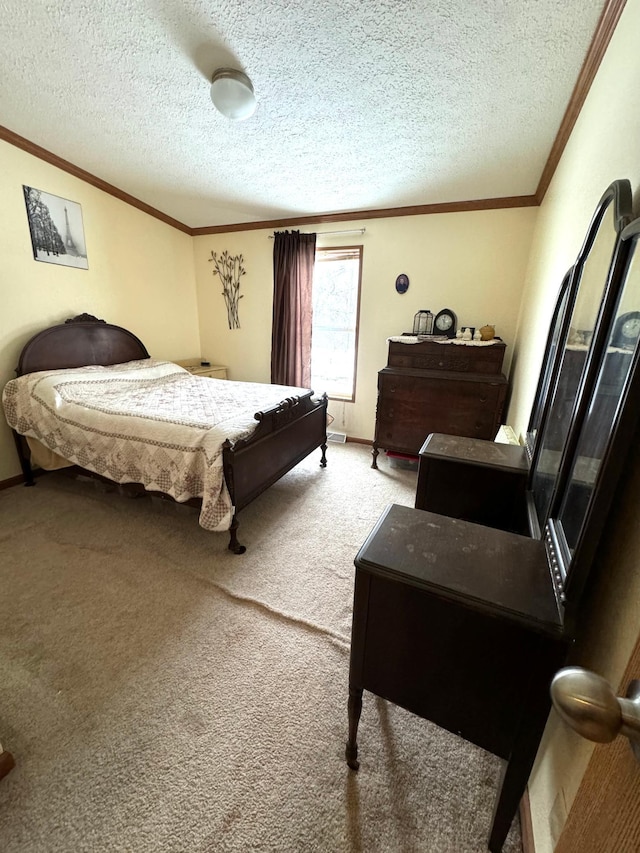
[{"x": 230, "y": 269}]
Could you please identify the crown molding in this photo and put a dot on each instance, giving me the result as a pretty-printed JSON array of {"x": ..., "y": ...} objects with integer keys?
[
  {"x": 42, "y": 154},
  {"x": 601, "y": 37},
  {"x": 599, "y": 43},
  {"x": 378, "y": 213},
  {"x": 318, "y": 218}
]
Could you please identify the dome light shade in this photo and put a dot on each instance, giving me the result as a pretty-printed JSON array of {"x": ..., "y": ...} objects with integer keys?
[{"x": 232, "y": 94}]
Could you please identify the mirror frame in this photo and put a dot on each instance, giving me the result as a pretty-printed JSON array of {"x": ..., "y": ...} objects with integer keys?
[
  {"x": 549, "y": 361},
  {"x": 618, "y": 196},
  {"x": 571, "y": 571}
]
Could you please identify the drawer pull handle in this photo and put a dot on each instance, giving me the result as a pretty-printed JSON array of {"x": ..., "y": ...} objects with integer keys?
[{"x": 483, "y": 399}]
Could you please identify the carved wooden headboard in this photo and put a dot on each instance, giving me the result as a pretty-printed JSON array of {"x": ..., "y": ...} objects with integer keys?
[{"x": 77, "y": 342}]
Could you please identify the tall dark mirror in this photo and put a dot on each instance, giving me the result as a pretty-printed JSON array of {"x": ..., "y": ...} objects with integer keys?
[
  {"x": 549, "y": 361},
  {"x": 592, "y": 290},
  {"x": 607, "y": 429}
]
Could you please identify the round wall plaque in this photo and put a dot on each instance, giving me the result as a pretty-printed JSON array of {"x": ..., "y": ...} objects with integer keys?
[{"x": 402, "y": 283}]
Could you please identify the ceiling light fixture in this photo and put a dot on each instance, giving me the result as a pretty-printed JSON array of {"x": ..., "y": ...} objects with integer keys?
[{"x": 232, "y": 93}]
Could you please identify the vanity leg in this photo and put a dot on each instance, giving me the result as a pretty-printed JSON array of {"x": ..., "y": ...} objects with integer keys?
[
  {"x": 355, "y": 709},
  {"x": 550, "y": 656}
]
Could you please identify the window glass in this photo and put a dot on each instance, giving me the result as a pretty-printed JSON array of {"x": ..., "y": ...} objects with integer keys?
[{"x": 336, "y": 303}]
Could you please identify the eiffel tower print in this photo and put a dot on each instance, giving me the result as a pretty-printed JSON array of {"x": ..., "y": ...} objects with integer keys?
[
  {"x": 56, "y": 227},
  {"x": 69, "y": 245}
]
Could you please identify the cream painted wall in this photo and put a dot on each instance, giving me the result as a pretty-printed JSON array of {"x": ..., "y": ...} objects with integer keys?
[
  {"x": 471, "y": 262},
  {"x": 604, "y": 146},
  {"x": 141, "y": 274}
]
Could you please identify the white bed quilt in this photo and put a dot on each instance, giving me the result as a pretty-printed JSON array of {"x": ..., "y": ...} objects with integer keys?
[{"x": 146, "y": 421}]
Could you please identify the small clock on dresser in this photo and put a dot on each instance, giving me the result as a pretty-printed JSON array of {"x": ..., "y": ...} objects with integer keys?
[
  {"x": 626, "y": 330},
  {"x": 445, "y": 323}
]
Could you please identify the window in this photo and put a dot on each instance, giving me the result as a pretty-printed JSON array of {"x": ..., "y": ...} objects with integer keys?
[{"x": 336, "y": 306}]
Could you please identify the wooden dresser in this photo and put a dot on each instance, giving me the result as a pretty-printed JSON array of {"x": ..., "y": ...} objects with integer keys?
[{"x": 430, "y": 387}]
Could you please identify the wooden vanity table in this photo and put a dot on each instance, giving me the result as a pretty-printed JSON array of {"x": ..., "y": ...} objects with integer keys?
[
  {"x": 458, "y": 616},
  {"x": 459, "y": 624}
]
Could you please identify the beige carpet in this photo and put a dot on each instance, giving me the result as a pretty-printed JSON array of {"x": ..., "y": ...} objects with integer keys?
[{"x": 161, "y": 694}]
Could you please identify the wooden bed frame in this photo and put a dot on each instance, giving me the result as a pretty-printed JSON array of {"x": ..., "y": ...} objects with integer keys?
[{"x": 285, "y": 434}]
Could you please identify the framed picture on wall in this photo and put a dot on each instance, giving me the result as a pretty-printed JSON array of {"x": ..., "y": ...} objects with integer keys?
[{"x": 57, "y": 231}]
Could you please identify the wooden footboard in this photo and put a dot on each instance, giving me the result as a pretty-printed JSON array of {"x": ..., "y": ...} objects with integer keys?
[{"x": 285, "y": 434}]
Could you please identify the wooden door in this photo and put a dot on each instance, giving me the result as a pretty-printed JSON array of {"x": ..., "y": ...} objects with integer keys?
[{"x": 605, "y": 816}]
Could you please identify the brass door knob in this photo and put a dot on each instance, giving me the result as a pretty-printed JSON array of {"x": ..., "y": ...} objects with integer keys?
[{"x": 587, "y": 703}]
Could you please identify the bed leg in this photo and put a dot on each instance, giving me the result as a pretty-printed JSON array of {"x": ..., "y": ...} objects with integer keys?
[
  {"x": 234, "y": 545},
  {"x": 323, "y": 458},
  {"x": 25, "y": 462}
]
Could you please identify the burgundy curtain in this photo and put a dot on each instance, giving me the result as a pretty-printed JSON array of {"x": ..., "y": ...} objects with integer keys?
[{"x": 293, "y": 258}]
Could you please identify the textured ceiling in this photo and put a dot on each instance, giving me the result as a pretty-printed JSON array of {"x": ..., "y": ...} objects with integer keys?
[{"x": 362, "y": 104}]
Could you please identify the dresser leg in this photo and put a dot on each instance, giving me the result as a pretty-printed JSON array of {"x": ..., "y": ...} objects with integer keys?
[
  {"x": 375, "y": 453},
  {"x": 355, "y": 709}
]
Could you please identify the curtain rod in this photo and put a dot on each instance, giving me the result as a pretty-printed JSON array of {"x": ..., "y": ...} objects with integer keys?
[{"x": 322, "y": 233}]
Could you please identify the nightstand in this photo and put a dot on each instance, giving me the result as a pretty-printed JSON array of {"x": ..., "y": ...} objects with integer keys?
[{"x": 213, "y": 371}]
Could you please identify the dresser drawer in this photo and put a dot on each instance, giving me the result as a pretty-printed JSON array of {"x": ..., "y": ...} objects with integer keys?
[
  {"x": 400, "y": 426},
  {"x": 437, "y": 392},
  {"x": 427, "y": 355}
]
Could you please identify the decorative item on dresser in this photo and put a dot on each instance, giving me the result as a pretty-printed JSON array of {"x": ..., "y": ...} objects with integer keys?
[
  {"x": 431, "y": 386},
  {"x": 423, "y": 322},
  {"x": 445, "y": 323},
  {"x": 203, "y": 368}
]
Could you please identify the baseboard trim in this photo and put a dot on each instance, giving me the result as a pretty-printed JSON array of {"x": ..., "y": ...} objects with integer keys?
[
  {"x": 526, "y": 825},
  {"x": 358, "y": 440},
  {"x": 12, "y": 481},
  {"x": 19, "y": 479}
]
